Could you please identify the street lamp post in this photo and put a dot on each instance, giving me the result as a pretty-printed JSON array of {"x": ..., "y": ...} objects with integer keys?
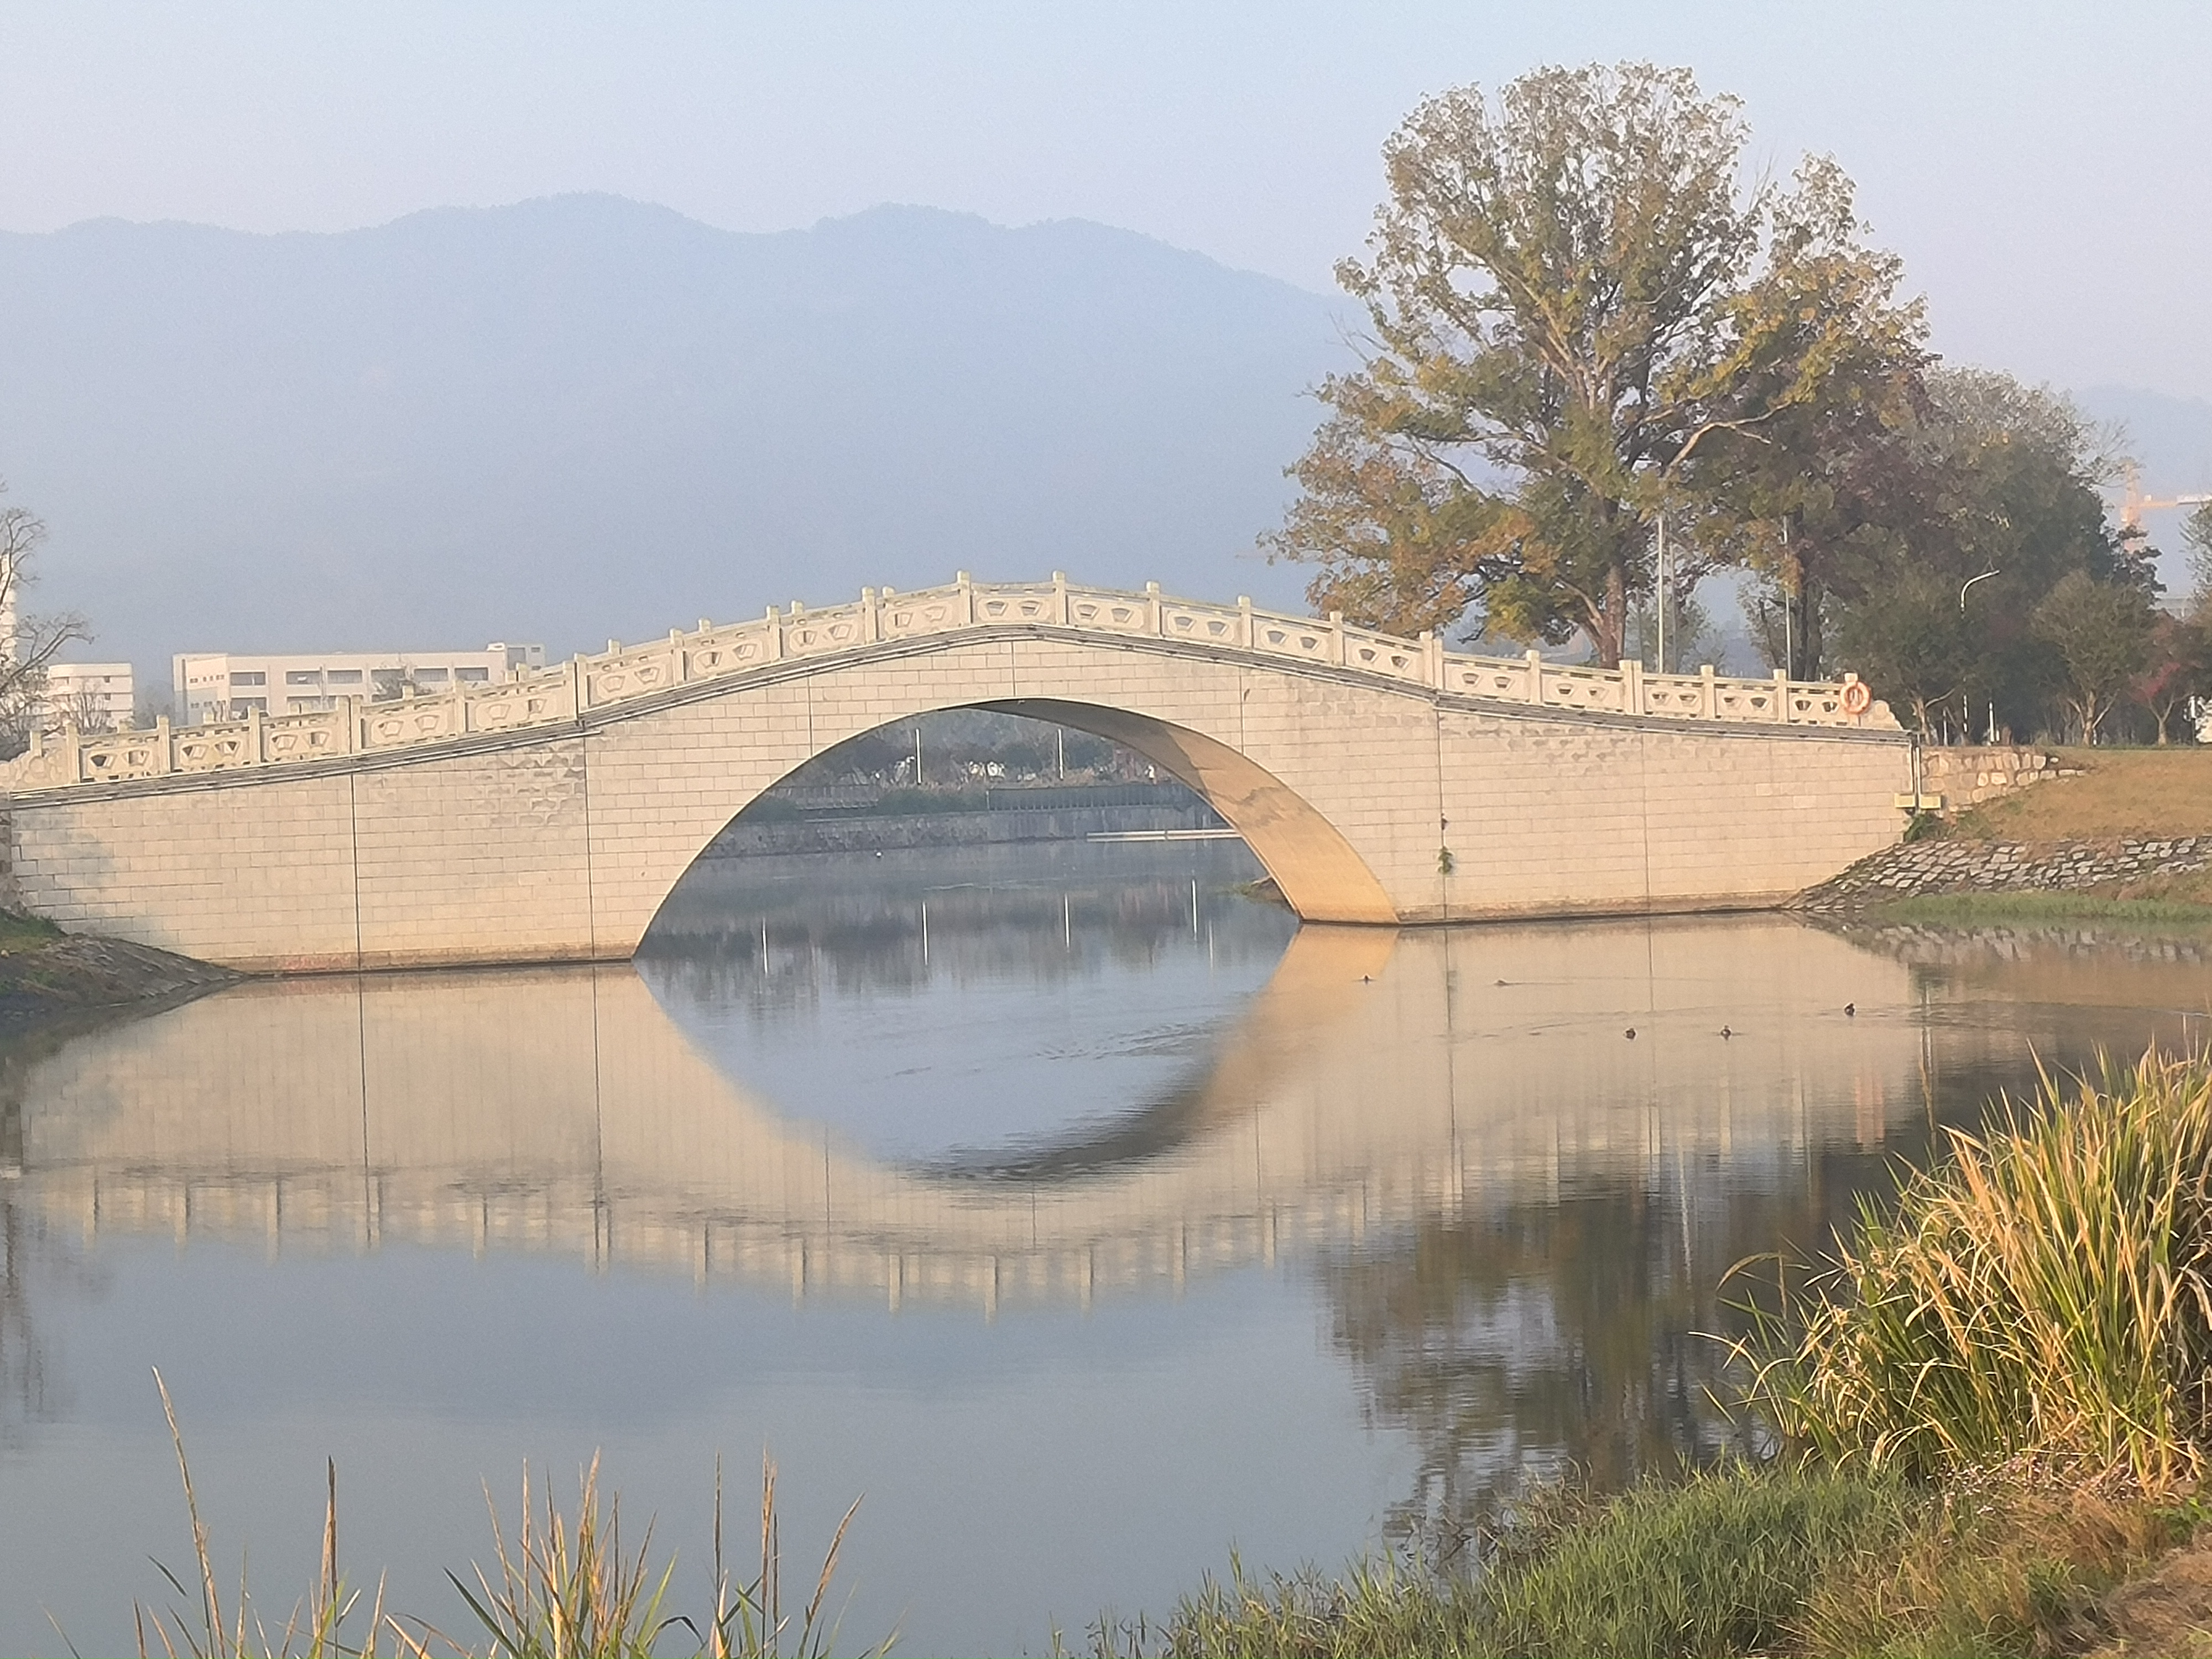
[{"x": 1966, "y": 719}]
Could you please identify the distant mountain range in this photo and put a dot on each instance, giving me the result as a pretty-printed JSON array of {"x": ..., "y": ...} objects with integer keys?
[{"x": 585, "y": 416}]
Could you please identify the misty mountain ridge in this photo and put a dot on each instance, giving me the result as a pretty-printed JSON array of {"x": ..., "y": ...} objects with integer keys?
[{"x": 583, "y": 416}]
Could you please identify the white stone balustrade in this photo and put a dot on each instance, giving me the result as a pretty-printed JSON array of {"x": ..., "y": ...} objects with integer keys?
[{"x": 625, "y": 673}]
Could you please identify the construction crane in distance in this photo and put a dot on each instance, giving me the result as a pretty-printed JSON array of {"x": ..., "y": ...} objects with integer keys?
[{"x": 2134, "y": 503}]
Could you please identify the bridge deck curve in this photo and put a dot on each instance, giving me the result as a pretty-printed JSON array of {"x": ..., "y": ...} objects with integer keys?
[{"x": 1380, "y": 780}]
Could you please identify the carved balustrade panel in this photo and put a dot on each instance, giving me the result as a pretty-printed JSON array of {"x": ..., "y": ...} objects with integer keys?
[
  {"x": 1822, "y": 705},
  {"x": 303, "y": 736},
  {"x": 1110, "y": 613},
  {"x": 529, "y": 704},
  {"x": 1384, "y": 653},
  {"x": 818, "y": 633},
  {"x": 1585, "y": 688},
  {"x": 628, "y": 674},
  {"x": 395, "y": 725},
  {"x": 1481, "y": 676},
  {"x": 1283, "y": 636},
  {"x": 934, "y": 611},
  {"x": 1017, "y": 605},
  {"x": 129, "y": 755},
  {"x": 727, "y": 651},
  {"x": 213, "y": 748},
  {"x": 1743, "y": 700},
  {"x": 1674, "y": 694},
  {"x": 1192, "y": 622}
]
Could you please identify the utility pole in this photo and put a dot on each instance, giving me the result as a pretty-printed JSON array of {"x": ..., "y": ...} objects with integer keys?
[
  {"x": 1789, "y": 605},
  {"x": 1660, "y": 598}
]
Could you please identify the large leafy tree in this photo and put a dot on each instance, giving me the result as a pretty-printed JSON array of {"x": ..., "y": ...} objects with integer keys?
[
  {"x": 2102, "y": 633},
  {"x": 1996, "y": 485},
  {"x": 2178, "y": 669},
  {"x": 1582, "y": 321}
]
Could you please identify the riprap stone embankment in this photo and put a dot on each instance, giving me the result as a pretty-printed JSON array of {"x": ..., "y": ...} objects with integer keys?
[{"x": 1925, "y": 869}]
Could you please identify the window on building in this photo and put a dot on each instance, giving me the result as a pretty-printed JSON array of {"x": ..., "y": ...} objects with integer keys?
[
  {"x": 474, "y": 675},
  {"x": 248, "y": 677},
  {"x": 429, "y": 677},
  {"x": 302, "y": 676},
  {"x": 345, "y": 677},
  {"x": 241, "y": 707}
]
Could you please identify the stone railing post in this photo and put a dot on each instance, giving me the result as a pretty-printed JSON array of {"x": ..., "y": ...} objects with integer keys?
[
  {"x": 1336, "y": 651},
  {"x": 1060, "y": 598},
  {"x": 1781, "y": 694},
  {"x": 576, "y": 687},
  {"x": 872, "y": 615},
  {"x": 772, "y": 646},
  {"x": 1432, "y": 658},
  {"x": 73, "y": 751},
  {"x": 1535, "y": 661},
  {"x": 1709, "y": 692},
  {"x": 1155, "y": 623},
  {"x": 966, "y": 615},
  {"x": 164, "y": 754},
  {"x": 253, "y": 754},
  {"x": 1631, "y": 686}
]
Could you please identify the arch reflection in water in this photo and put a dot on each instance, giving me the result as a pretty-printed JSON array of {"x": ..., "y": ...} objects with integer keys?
[{"x": 1379, "y": 1081}]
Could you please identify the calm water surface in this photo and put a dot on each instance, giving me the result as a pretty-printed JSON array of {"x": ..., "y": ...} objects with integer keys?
[{"x": 1088, "y": 1218}]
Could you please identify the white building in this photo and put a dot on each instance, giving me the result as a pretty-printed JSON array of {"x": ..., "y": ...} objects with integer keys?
[
  {"x": 225, "y": 685},
  {"x": 96, "y": 696}
]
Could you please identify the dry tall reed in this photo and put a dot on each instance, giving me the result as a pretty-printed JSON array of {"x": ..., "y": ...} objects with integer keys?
[
  {"x": 2045, "y": 1295},
  {"x": 564, "y": 1589}
]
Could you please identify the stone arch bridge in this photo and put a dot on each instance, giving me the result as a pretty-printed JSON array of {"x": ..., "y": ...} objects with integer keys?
[{"x": 1379, "y": 780}]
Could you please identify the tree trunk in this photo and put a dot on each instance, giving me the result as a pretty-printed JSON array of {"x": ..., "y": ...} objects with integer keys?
[
  {"x": 1811, "y": 647},
  {"x": 1609, "y": 633}
]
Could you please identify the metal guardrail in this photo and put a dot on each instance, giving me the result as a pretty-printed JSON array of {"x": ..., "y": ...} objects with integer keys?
[{"x": 621, "y": 674}]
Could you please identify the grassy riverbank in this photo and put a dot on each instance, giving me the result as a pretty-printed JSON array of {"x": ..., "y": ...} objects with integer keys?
[
  {"x": 2116, "y": 794},
  {"x": 2119, "y": 793}
]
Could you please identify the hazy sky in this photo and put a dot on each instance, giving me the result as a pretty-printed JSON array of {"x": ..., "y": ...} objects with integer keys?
[{"x": 2039, "y": 166}]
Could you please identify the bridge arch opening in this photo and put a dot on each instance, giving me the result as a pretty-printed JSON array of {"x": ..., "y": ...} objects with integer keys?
[{"x": 1319, "y": 874}]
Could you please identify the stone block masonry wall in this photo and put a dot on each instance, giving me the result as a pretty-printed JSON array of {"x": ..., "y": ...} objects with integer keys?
[
  {"x": 1368, "y": 801},
  {"x": 1924, "y": 869},
  {"x": 1968, "y": 776}
]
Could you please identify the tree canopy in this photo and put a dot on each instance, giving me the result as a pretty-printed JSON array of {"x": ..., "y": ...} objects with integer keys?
[{"x": 1582, "y": 320}]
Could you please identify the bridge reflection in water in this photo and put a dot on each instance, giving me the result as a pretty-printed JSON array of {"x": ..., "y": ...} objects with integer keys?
[{"x": 1378, "y": 1083}]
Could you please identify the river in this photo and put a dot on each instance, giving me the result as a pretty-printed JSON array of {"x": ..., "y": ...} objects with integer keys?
[{"x": 1085, "y": 1217}]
